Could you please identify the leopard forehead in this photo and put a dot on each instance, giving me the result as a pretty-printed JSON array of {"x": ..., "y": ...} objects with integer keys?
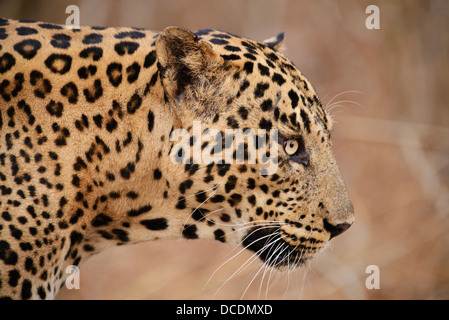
[{"x": 265, "y": 75}]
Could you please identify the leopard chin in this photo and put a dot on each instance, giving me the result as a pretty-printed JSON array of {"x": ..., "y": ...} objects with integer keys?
[{"x": 277, "y": 249}]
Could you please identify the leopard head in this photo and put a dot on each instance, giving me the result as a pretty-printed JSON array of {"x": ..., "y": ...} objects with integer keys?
[{"x": 275, "y": 188}]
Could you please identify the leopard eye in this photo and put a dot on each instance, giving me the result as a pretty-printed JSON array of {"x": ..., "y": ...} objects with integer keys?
[{"x": 291, "y": 147}]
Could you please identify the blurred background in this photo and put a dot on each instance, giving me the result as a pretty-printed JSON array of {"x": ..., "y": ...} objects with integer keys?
[{"x": 389, "y": 93}]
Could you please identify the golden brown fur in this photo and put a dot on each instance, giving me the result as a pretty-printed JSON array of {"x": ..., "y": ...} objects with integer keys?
[{"x": 85, "y": 123}]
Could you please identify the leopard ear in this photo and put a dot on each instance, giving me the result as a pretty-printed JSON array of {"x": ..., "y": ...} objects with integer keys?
[
  {"x": 276, "y": 42},
  {"x": 183, "y": 59}
]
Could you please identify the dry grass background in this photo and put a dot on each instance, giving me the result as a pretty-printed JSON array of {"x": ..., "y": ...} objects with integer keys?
[{"x": 391, "y": 93}]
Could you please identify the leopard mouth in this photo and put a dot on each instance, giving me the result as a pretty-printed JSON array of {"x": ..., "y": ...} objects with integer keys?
[{"x": 273, "y": 247}]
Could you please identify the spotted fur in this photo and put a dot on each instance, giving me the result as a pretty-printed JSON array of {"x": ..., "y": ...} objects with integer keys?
[{"x": 85, "y": 122}]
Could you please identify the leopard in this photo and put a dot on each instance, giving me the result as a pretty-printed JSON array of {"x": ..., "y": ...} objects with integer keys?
[{"x": 87, "y": 122}]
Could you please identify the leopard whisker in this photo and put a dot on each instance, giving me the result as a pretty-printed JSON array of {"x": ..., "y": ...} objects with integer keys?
[
  {"x": 266, "y": 226},
  {"x": 241, "y": 250},
  {"x": 264, "y": 223},
  {"x": 338, "y": 103},
  {"x": 268, "y": 266},
  {"x": 254, "y": 277},
  {"x": 253, "y": 257},
  {"x": 340, "y": 94},
  {"x": 212, "y": 193},
  {"x": 214, "y": 188},
  {"x": 272, "y": 264}
]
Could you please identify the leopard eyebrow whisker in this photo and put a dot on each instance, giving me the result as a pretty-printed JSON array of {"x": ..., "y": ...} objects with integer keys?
[
  {"x": 338, "y": 103},
  {"x": 340, "y": 94},
  {"x": 278, "y": 98}
]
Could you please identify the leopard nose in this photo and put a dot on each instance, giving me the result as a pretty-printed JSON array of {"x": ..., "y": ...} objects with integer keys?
[{"x": 337, "y": 229}]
